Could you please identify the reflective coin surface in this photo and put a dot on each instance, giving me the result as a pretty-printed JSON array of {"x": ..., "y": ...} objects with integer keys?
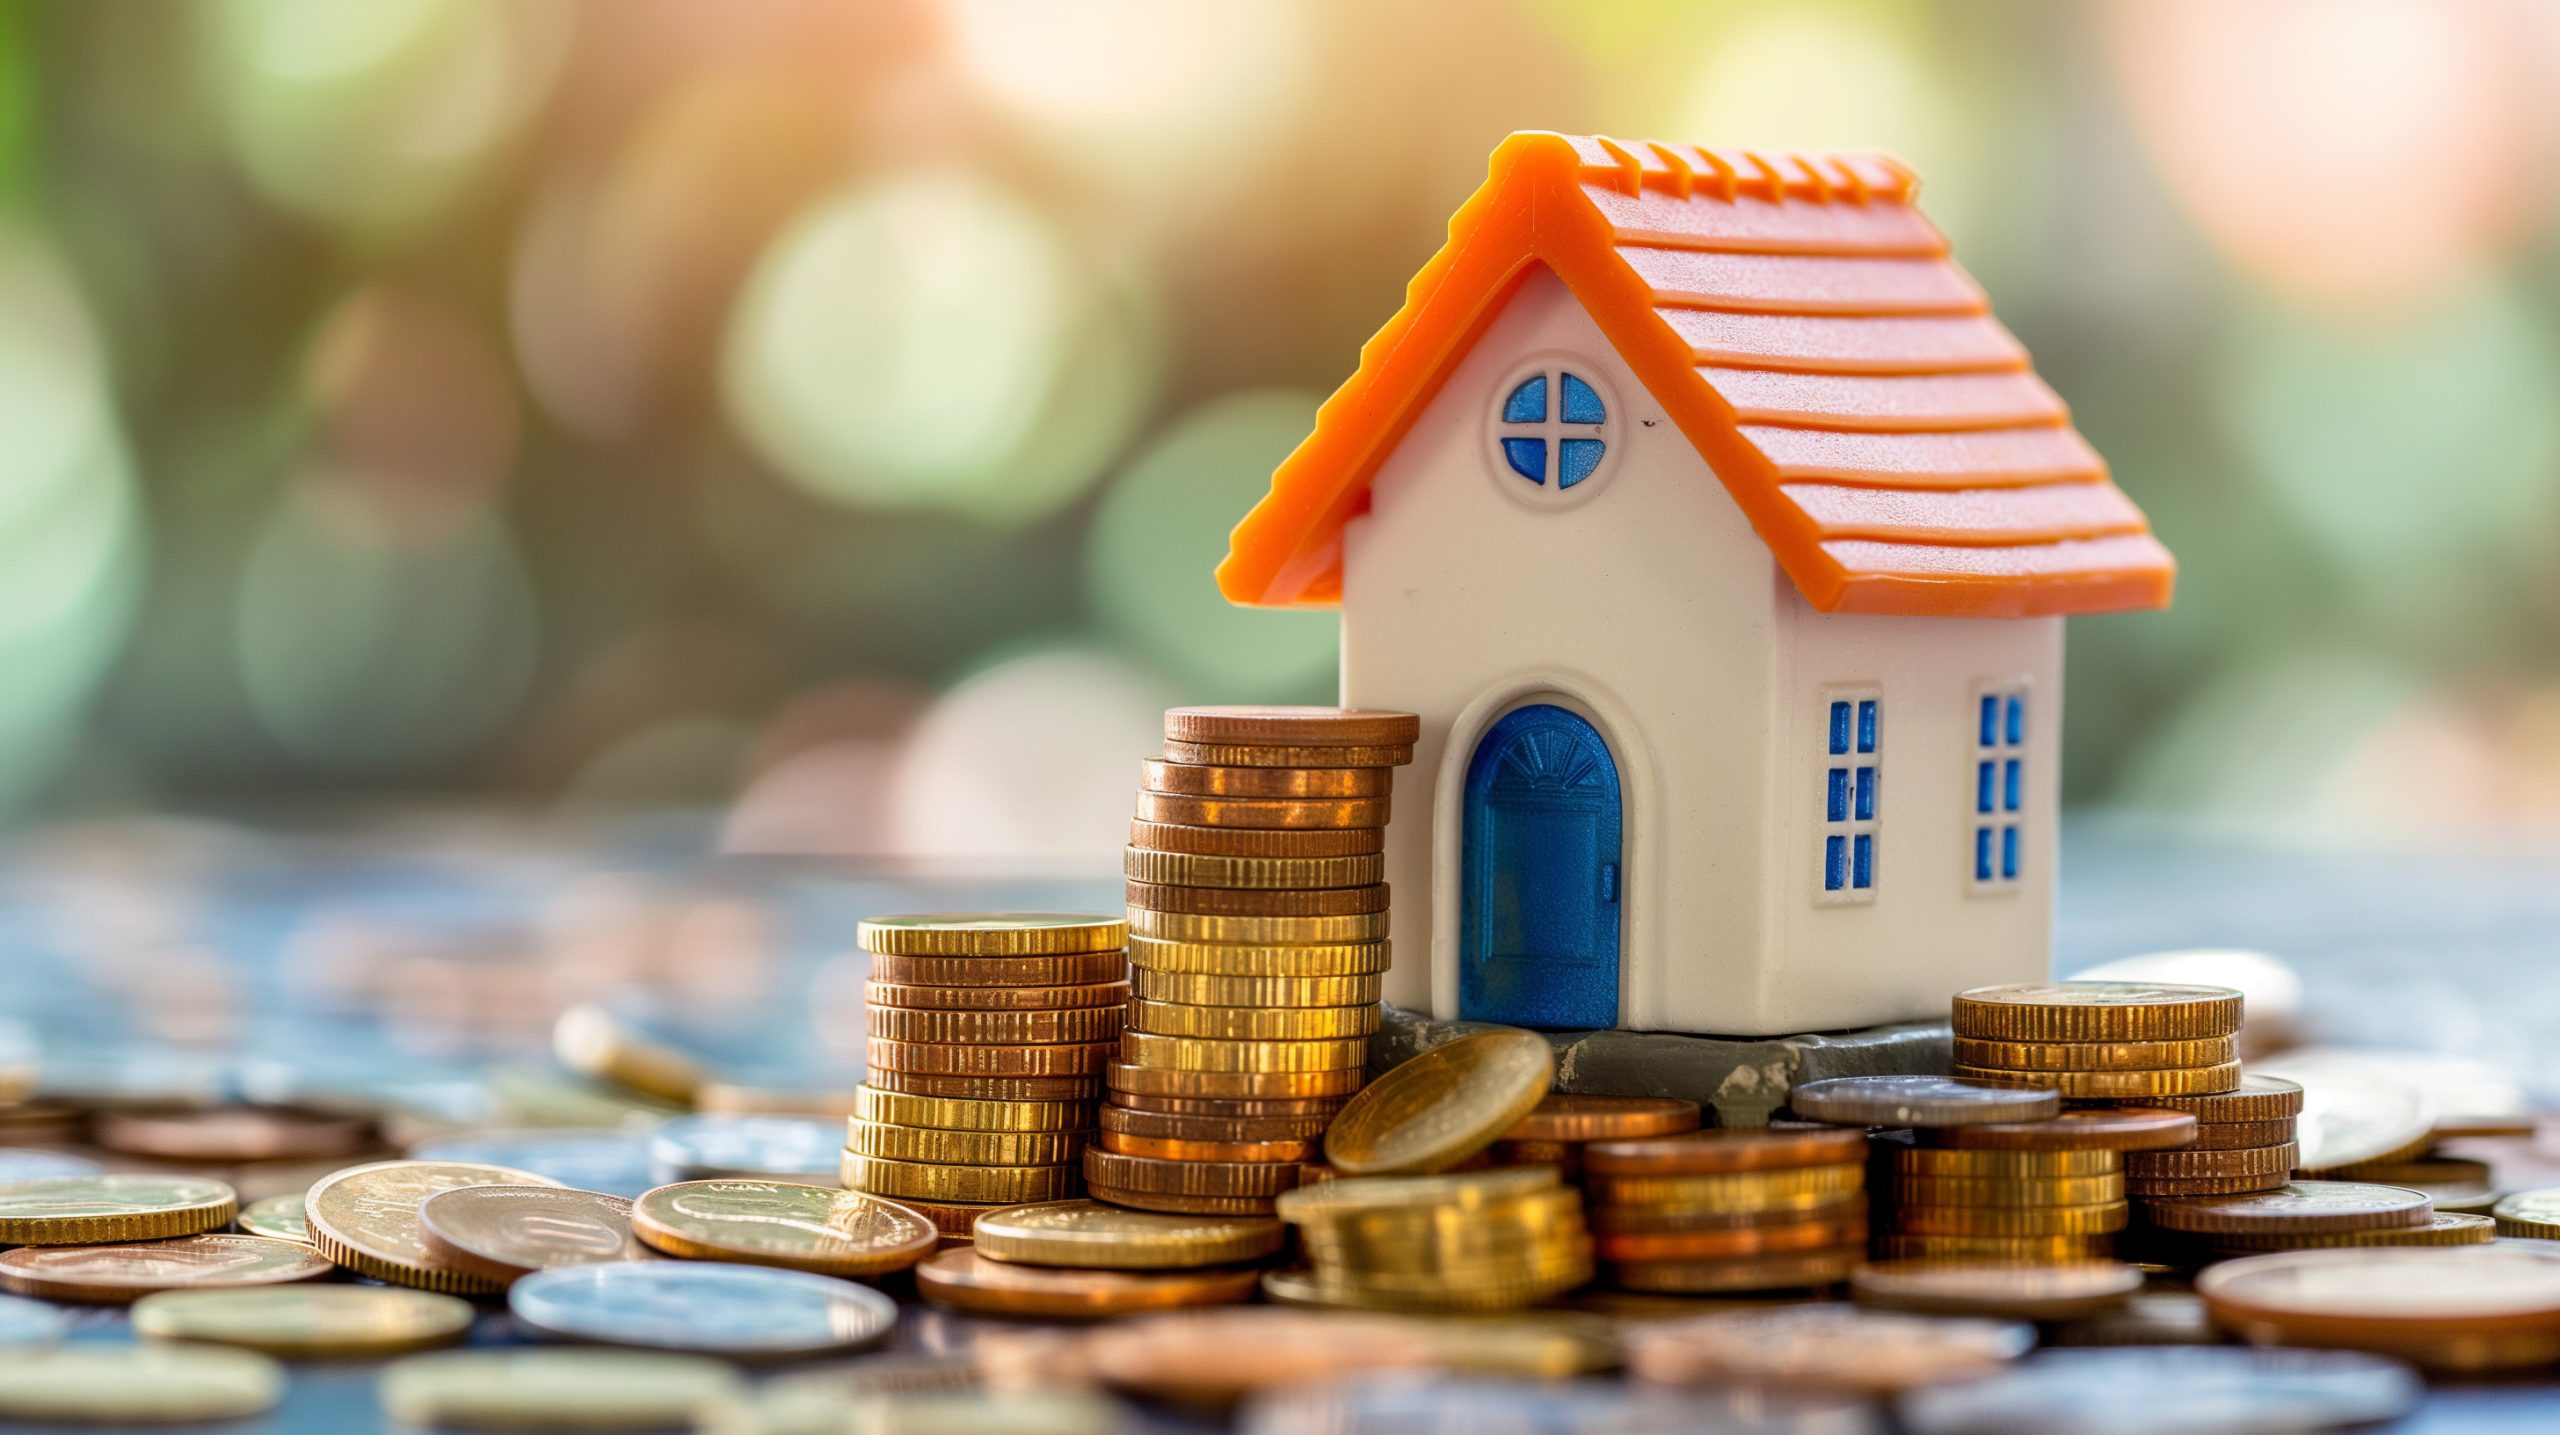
[
  {"x": 130, "y": 1270},
  {"x": 778, "y": 1148},
  {"x": 90, "y": 1384},
  {"x": 79, "y": 1210},
  {"x": 2171, "y": 1390},
  {"x": 306, "y": 1322},
  {"x": 703, "y": 1306},
  {"x": 278, "y": 1216},
  {"x": 556, "y": 1390},
  {"x": 366, "y": 1218},
  {"x": 782, "y": 1223},
  {"x": 1442, "y": 1106},
  {"x": 501, "y": 1233}
]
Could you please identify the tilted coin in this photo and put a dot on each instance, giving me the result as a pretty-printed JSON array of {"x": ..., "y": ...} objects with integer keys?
[
  {"x": 1258, "y": 931},
  {"x": 2011, "y": 1290},
  {"x": 1259, "y": 901},
  {"x": 989, "y": 934},
  {"x": 1563, "y": 1116},
  {"x": 2096, "y": 1011},
  {"x": 1352, "y": 727},
  {"x": 929, "y": 1181},
  {"x": 85, "y": 1210},
  {"x": 2458, "y": 1307},
  {"x": 777, "y": 1223},
  {"x": 305, "y": 1322},
  {"x": 1291, "y": 843},
  {"x": 126, "y": 1271},
  {"x": 1059, "y": 969},
  {"x": 1204, "y": 989},
  {"x": 556, "y": 1390},
  {"x": 1836, "y": 1347},
  {"x": 1194, "y": 869},
  {"x": 2351, "y": 1114},
  {"x": 947, "y": 1113},
  {"x": 225, "y": 1134},
  {"x": 1159, "y": 775},
  {"x": 1443, "y": 1105},
  {"x": 366, "y": 1219},
  {"x": 2183, "y": 1390},
  {"x": 1919, "y": 1101},
  {"x": 963, "y": 1148},
  {"x": 966, "y": 1280},
  {"x": 2443, "y": 1229},
  {"x": 614, "y": 1161},
  {"x": 2095, "y": 1055},
  {"x": 503, "y": 1233},
  {"x": 923, "y": 997},
  {"x": 1092, "y": 1235},
  {"x": 2118, "y": 1085},
  {"x": 778, "y": 1148},
  {"x": 1229, "y": 1023},
  {"x": 1297, "y": 959},
  {"x": 703, "y": 1306},
  {"x": 2258, "y": 1097},
  {"x": 92, "y": 1383},
  {"x": 277, "y": 1216},
  {"x": 1218, "y": 754},
  {"x": 27, "y": 1324},
  {"x": 2124, "y": 1128},
  {"x": 594, "y": 1042},
  {"x": 2300, "y": 1206},
  {"x": 1209, "y": 1359},
  {"x": 1725, "y": 1150},
  {"x": 1167, "y": 1081},
  {"x": 940, "y": 1058}
]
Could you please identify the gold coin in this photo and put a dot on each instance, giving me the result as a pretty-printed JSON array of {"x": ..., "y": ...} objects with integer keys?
[
  {"x": 1258, "y": 902},
  {"x": 1166, "y": 1126},
  {"x": 1296, "y": 843},
  {"x": 2095, "y": 1055},
  {"x": 1566, "y": 1118},
  {"x": 2009, "y": 1290},
  {"x": 782, "y": 1223},
  {"x": 1092, "y": 1236},
  {"x": 2114, "y": 1128},
  {"x": 87, "y": 1210},
  {"x": 925, "y": 1181},
  {"x": 1258, "y": 931},
  {"x": 94, "y": 1384},
  {"x": 954, "y": 1219},
  {"x": 1772, "y": 1190},
  {"x": 505, "y": 1233},
  {"x": 276, "y": 1216},
  {"x": 1310, "y": 726},
  {"x": 1200, "y": 780},
  {"x": 1222, "y": 754},
  {"x": 1793, "y": 1270},
  {"x": 2118, "y": 1085},
  {"x": 1039, "y": 1091},
  {"x": 951, "y": 1113},
  {"x": 990, "y": 1028},
  {"x": 1076, "y": 1059},
  {"x": 2444, "y": 1228},
  {"x": 1707, "y": 1153},
  {"x": 2233, "y": 1135},
  {"x": 1184, "y": 1148},
  {"x": 1188, "y": 1178},
  {"x": 2303, "y": 1206},
  {"x": 1197, "y": 869},
  {"x": 1171, "y": 1203},
  {"x": 592, "y": 1042},
  {"x": 965, "y": 1280},
  {"x": 307, "y": 1322},
  {"x": 929, "y": 998},
  {"x": 2256, "y": 1098},
  {"x": 1444, "y": 1105},
  {"x": 1899, "y": 1247},
  {"x": 1239, "y": 1023},
  {"x": 1354, "y": 959},
  {"x": 2091, "y": 1220},
  {"x": 557, "y": 1390},
  {"x": 1187, "y": 1053},
  {"x": 1317, "y": 1108},
  {"x": 1400, "y": 1238},
  {"x": 1124, "y": 1077},
  {"x": 1732, "y": 1242},
  {"x": 989, "y": 934},
  {"x": 366, "y": 1219},
  {"x": 1201, "y": 989},
  {"x": 1658, "y": 1219},
  {"x": 2004, "y": 1165},
  {"x": 2232, "y": 1161},
  {"x": 1063, "y": 969},
  {"x": 1307, "y": 1288},
  {"x": 2015, "y": 1191},
  {"x": 126, "y": 1271},
  {"x": 2096, "y": 1011},
  {"x": 964, "y": 1148},
  {"x": 2172, "y": 1188},
  {"x": 2533, "y": 1214},
  {"x": 1465, "y": 1192}
]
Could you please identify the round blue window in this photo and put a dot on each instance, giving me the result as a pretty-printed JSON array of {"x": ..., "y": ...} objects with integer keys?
[{"x": 1550, "y": 427}]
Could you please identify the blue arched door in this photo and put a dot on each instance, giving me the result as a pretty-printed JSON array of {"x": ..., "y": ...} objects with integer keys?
[{"x": 1538, "y": 914}]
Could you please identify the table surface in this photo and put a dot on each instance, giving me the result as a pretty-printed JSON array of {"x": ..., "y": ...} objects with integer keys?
[{"x": 399, "y": 958}]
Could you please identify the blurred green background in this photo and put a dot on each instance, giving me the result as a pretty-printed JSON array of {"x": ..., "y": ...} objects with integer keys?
[{"x": 827, "y": 412}]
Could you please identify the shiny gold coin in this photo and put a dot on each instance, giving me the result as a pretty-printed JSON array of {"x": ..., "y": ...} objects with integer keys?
[
  {"x": 276, "y": 1216},
  {"x": 1566, "y": 1118},
  {"x": 2442, "y": 1229},
  {"x": 1443, "y": 1105},
  {"x": 989, "y": 934},
  {"x": 1235, "y": 1023},
  {"x": 1307, "y": 726},
  {"x": 307, "y": 1322},
  {"x": 594, "y": 1043},
  {"x": 954, "y": 1219},
  {"x": 1282, "y": 813},
  {"x": 934, "y": 1058},
  {"x": 1258, "y": 931},
  {"x": 1217, "y": 754},
  {"x": 1468, "y": 1192},
  {"x": 964, "y": 1148},
  {"x": 2096, "y": 1011},
  {"x": 2232, "y": 1135},
  {"x": 1199, "y": 780},
  {"x": 560, "y": 1389},
  {"x": 1185, "y": 1053},
  {"x": 948, "y": 1113},
  {"x": 2095, "y": 1056},
  {"x": 2303, "y": 1206},
  {"x": 1179, "y": 1148},
  {"x": 1732, "y": 1191},
  {"x": 2012, "y": 1191},
  {"x": 1193, "y": 869},
  {"x": 98, "y": 1384},
  {"x": 1259, "y": 902},
  {"x": 1200, "y": 989},
  {"x": 782, "y": 1223},
  {"x": 2256, "y": 1098},
  {"x": 2009, "y": 1290},
  {"x": 1295, "y": 843},
  {"x": 2232, "y": 1161},
  {"x": 1040, "y": 1091},
  {"x": 1212, "y": 959},
  {"x": 1701, "y": 1153},
  {"x": 996, "y": 1028},
  {"x": 1793, "y": 1270},
  {"x": 1159, "y": 1081},
  {"x": 88, "y": 1210},
  {"x": 1093, "y": 1236},
  {"x": 1318, "y": 1108},
  {"x": 2003, "y": 1165},
  {"x": 1065, "y": 969},
  {"x": 127, "y": 1271},
  {"x": 1171, "y": 1203},
  {"x": 2118, "y": 1085},
  {"x": 1163, "y": 1126},
  {"x": 1659, "y": 1220},
  {"x": 925, "y": 1181},
  {"x": 2087, "y": 1128},
  {"x": 927, "y": 998},
  {"x": 968, "y": 1281},
  {"x": 505, "y": 1233},
  {"x": 366, "y": 1219},
  {"x": 1386, "y": 1237},
  {"x": 1897, "y": 1247},
  {"x": 1188, "y": 1178},
  {"x": 2091, "y": 1220}
]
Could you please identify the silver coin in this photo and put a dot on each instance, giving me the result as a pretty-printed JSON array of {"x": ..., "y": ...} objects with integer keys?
[
  {"x": 773, "y": 1148},
  {"x": 1919, "y": 1101},
  {"x": 31, "y": 1165},
  {"x": 2171, "y": 1390},
  {"x": 26, "y": 1323},
  {"x": 1411, "y": 1403},
  {"x": 613, "y": 1162},
  {"x": 703, "y": 1306}
]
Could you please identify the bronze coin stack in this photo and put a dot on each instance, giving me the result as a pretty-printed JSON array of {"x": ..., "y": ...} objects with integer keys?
[
  {"x": 1258, "y": 942},
  {"x": 1470, "y": 1241},
  {"x": 2244, "y": 1142},
  {"x": 1951, "y": 1203},
  {"x": 2111, "y": 1042},
  {"x": 1729, "y": 1210},
  {"x": 1563, "y": 1125},
  {"x": 988, "y": 1035}
]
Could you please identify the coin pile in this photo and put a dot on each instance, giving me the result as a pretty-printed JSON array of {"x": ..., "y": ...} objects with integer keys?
[
  {"x": 1258, "y": 942},
  {"x": 2244, "y": 1142},
  {"x": 2101, "y": 1041},
  {"x": 2307, "y": 1215},
  {"x": 1476, "y": 1241},
  {"x": 988, "y": 1034},
  {"x": 1729, "y": 1210},
  {"x": 1945, "y": 1202}
]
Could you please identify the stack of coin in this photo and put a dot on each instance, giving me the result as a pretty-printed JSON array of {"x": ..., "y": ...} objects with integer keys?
[
  {"x": 1946, "y": 1202},
  {"x": 1258, "y": 941},
  {"x": 1482, "y": 1240},
  {"x": 1556, "y": 1133},
  {"x": 2244, "y": 1142},
  {"x": 988, "y": 1037},
  {"x": 2307, "y": 1215},
  {"x": 2101, "y": 1041},
  {"x": 1734, "y": 1210}
]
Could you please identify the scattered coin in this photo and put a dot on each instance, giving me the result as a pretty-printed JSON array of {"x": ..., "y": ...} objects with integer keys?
[
  {"x": 504, "y": 1233},
  {"x": 966, "y": 1280},
  {"x": 555, "y": 1390},
  {"x": 306, "y": 1322},
  {"x": 277, "y": 1216},
  {"x": 227, "y": 1134},
  {"x": 2173, "y": 1390},
  {"x": 1092, "y": 1235},
  {"x": 777, "y": 1223},
  {"x": 1210, "y": 1359},
  {"x": 990, "y": 934},
  {"x": 1925, "y": 1101},
  {"x": 366, "y": 1219},
  {"x": 1443, "y": 1105},
  {"x": 703, "y": 1306},
  {"x": 2011, "y": 1290},
  {"x": 1834, "y": 1347},
  {"x": 2352, "y": 1114},
  {"x": 86, "y": 1210},
  {"x": 2117, "y": 1128},
  {"x": 2302, "y": 1206},
  {"x": 595, "y": 1043},
  {"x": 113, "y": 1274},
  {"x": 2449, "y": 1308},
  {"x": 610, "y": 1160},
  {"x": 774, "y": 1148},
  {"x": 92, "y": 1383}
]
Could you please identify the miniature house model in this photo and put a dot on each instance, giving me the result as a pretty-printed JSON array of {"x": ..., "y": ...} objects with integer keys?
[{"x": 1722, "y": 540}]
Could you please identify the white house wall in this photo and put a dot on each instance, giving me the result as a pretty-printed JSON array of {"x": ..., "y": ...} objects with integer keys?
[{"x": 1647, "y": 605}]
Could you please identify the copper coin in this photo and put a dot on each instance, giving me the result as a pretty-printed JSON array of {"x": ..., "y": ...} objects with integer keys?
[
  {"x": 1257, "y": 841},
  {"x": 366, "y": 1218},
  {"x": 1264, "y": 961},
  {"x": 2302, "y": 1206},
  {"x": 1219, "y": 754},
  {"x": 1561, "y": 1116},
  {"x": 918, "y": 997},
  {"x": 2165, "y": 1188},
  {"x": 1173, "y": 1127},
  {"x": 1176, "y": 1204},
  {"x": 2188, "y": 1165},
  {"x": 128, "y": 1271},
  {"x": 1283, "y": 813},
  {"x": 2094, "y": 1055},
  {"x": 227, "y": 1134},
  {"x": 1834, "y": 1347},
  {"x": 2129, "y": 1128},
  {"x": 982, "y": 1088},
  {"x": 1177, "y": 1148},
  {"x": 1194, "y": 779},
  {"x": 1259, "y": 902},
  {"x": 2012, "y": 1290},
  {"x": 2411, "y": 1290},
  {"x": 1087, "y": 1024},
  {"x": 2256, "y": 1098},
  {"x": 783, "y": 1223},
  {"x": 1732, "y": 1241},
  {"x": 1067, "y": 969},
  {"x": 1078, "y": 1059},
  {"x": 1190, "y": 869},
  {"x": 2231, "y": 1135},
  {"x": 1929, "y": 1101},
  {"x": 1252, "y": 1085},
  {"x": 1318, "y": 1107},
  {"x": 1784, "y": 1271},
  {"x": 1295, "y": 726},
  {"x": 1188, "y": 1178},
  {"x": 965, "y": 1280},
  {"x": 989, "y": 934},
  {"x": 502, "y": 1233},
  {"x": 1204, "y": 989},
  {"x": 1724, "y": 1149}
]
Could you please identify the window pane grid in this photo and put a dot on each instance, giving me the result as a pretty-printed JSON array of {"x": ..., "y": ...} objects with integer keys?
[
  {"x": 1852, "y": 739},
  {"x": 1999, "y": 787}
]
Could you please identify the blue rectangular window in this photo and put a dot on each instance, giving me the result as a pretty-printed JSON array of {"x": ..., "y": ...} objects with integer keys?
[
  {"x": 1837, "y": 810},
  {"x": 1982, "y": 854},
  {"x": 1867, "y": 726},
  {"x": 1990, "y": 721},
  {"x": 1835, "y": 863},
  {"x": 1999, "y": 787},
  {"x": 2017, "y": 720},
  {"x": 2010, "y": 786},
  {"x": 2009, "y": 853},
  {"x": 1839, "y": 728},
  {"x": 1866, "y": 795},
  {"x": 1865, "y": 865},
  {"x": 1852, "y": 724},
  {"x": 1982, "y": 781}
]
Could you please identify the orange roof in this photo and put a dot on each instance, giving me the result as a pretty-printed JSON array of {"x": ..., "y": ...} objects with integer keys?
[{"x": 1802, "y": 323}]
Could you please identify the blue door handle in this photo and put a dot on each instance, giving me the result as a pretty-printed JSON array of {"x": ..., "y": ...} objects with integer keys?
[{"x": 1609, "y": 883}]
